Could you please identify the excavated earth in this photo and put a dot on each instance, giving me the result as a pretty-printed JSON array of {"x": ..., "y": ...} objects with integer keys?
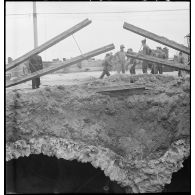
[{"x": 138, "y": 138}]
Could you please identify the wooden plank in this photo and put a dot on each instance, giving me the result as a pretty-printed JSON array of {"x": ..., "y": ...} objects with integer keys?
[
  {"x": 48, "y": 44},
  {"x": 60, "y": 65},
  {"x": 119, "y": 88},
  {"x": 122, "y": 91},
  {"x": 156, "y": 38},
  {"x": 159, "y": 61}
]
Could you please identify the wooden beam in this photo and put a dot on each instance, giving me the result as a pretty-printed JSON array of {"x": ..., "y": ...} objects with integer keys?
[
  {"x": 60, "y": 65},
  {"x": 119, "y": 88},
  {"x": 159, "y": 61},
  {"x": 156, "y": 38},
  {"x": 48, "y": 44}
]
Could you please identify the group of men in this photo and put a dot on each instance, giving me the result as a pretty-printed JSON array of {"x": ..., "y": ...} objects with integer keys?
[
  {"x": 119, "y": 59},
  {"x": 122, "y": 61}
]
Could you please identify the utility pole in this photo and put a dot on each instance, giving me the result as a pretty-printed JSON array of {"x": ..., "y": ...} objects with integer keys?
[{"x": 35, "y": 25}]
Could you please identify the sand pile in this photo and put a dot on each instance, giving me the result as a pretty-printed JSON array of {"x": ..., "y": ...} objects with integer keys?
[{"x": 138, "y": 140}]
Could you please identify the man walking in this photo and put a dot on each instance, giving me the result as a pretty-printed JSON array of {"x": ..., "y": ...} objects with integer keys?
[
  {"x": 35, "y": 64},
  {"x": 120, "y": 58},
  {"x": 107, "y": 65}
]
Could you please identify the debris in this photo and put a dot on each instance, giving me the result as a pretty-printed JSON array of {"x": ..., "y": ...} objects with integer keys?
[{"x": 133, "y": 144}]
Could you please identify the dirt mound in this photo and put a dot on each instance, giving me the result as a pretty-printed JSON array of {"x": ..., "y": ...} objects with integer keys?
[{"x": 134, "y": 138}]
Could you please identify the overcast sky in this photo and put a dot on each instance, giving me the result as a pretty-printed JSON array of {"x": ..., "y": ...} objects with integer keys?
[{"x": 106, "y": 28}]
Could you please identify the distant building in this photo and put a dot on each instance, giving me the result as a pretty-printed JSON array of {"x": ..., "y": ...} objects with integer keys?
[
  {"x": 56, "y": 60},
  {"x": 9, "y": 59}
]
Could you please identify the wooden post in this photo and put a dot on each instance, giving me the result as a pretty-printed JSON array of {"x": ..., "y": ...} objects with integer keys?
[
  {"x": 159, "y": 61},
  {"x": 48, "y": 44},
  {"x": 60, "y": 65},
  {"x": 156, "y": 38},
  {"x": 35, "y": 25}
]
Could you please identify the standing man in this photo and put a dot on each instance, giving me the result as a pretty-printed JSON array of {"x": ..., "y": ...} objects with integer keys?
[
  {"x": 182, "y": 61},
  {"x": 160, "y": 54},
  {"x": 152, "y": 65},
  {"x": 146, "y": 51},
  {"x": 35, "y": 64},
  {"x": 121, "y": 61},
  {"x": 166, "y": 51},
  {"x": 107, "y": 65},
  {"x": 131, "y": 61},
  {"x": 128, "y": 61}
]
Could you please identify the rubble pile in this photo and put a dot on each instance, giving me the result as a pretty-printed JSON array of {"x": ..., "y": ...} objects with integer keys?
[{"x": 138, "y": 140}]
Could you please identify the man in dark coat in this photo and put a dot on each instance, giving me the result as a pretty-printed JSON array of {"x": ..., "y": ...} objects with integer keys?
[{"x": 35, "y": 64}]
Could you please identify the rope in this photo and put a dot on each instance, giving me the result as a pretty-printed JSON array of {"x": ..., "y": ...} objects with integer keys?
[{"x": 77, "y": 44}]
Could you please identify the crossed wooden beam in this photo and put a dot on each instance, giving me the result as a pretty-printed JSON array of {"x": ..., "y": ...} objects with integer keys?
[
  {"x": 48, "y": 44},
  {"x": 93, "y": 53}
]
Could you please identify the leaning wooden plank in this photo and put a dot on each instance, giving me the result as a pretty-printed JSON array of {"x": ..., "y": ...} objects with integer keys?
[
  {"x": 156, "y": 38},
  {"x": 159, "y": 61},
  {"x": 60, "y": 65},
  {"x": 48, "y": 44}
]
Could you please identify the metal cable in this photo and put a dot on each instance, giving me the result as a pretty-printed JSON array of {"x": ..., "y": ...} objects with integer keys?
[
  {"x": 77, "y": 44},
  {"x": 114, "y": 12}
]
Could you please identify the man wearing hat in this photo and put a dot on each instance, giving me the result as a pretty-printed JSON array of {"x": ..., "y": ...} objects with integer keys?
[
  {"x": 120, "y": 58},
  {"x": 146, "y": 51}
]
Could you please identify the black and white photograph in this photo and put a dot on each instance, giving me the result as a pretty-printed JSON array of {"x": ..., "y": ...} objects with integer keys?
[{"x": 97, "y": 97}]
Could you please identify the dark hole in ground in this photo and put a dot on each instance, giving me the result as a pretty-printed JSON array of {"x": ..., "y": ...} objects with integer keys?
[
  {"x": 43, "y": 174},
  {"x": 181, "y": 180}
]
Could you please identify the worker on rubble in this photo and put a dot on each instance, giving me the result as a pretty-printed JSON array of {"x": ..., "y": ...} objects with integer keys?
[
  {"x": 131, "y": 62},
  {"x": 160, "y": 54},
  {"x": 35, "y": 64},
  {"x": 128, "y": 59},
  {"x": 166, "y": 51},
  {"x": 146, "y": 51},
  {"x": 181, "y": 60},
  {"x": 107, "y": 65},
  {"x": 120, "y": 59},
  {"x": 152, "y": 65}
]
